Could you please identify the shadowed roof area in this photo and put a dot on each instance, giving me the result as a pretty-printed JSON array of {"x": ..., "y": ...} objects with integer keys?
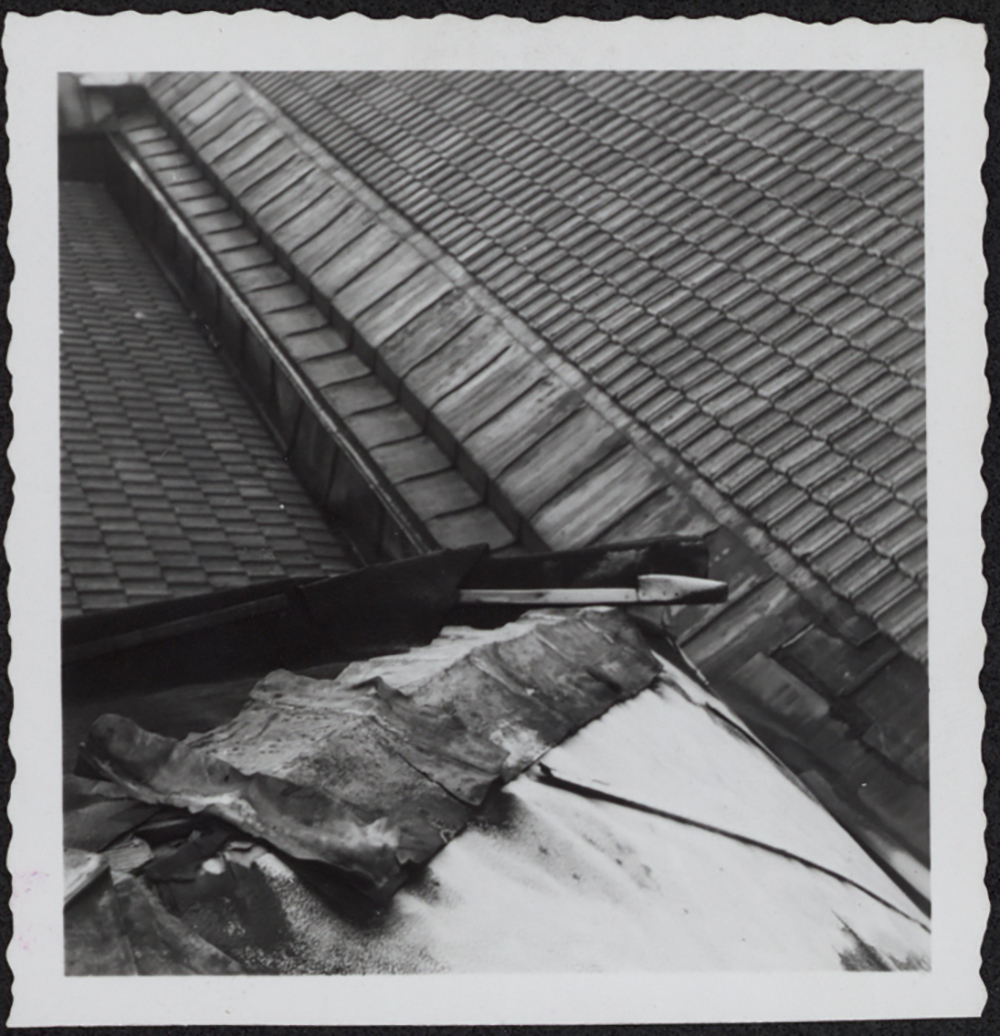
[
  {"x": 170, "y": 483},
  {"x": 736, "y": 258}
]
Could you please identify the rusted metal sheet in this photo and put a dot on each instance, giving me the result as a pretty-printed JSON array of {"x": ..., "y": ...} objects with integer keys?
[
  {"x": 370, "y": 779},
  {"x": 691, "y": 849}
]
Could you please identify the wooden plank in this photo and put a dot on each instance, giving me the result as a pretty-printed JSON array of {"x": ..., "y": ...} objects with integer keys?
[
  {"x": 270, "y": 186},
  {"x": 160, "y": 146},
  {"x": 357, "y": 395},
  {"x": 180, "y": 176},
  {"x": 324, "y": 206},
  {"x": 409, "y": 459},
  {"x": 292, "y": 321},
  {"x": 652, "y": 589},
  {"x": 442, "y": 492},
  {"x": 547, "y": 450},
  {"x": 669, "y": 512},
  {"x": 296, "y": 198},
  {"x": 188, "y": 106},
  {"x": 378, "y": 427},
  {"x": 300, "y": 231},
  {"x": 399, "y": 603},
  {"x": 308, "y": 345},
  {"x": 199, "y": 206},
  {"x": 757, "y": 623},
  {"x": 271, "y": 298},
  {"x": 265, "y": 164},
  {"x": 228, "y": 125},
  {"x": 332, "y": 368},
  {"x": 219, "y": 121},
  {"x": 598, "y": 499},
  {"x": 170, "y": 88},
  {"x": 487, "y": 393},
  {"x": 217, "y": 222},
  {"x": 478, "y": 525},
  {"x": 137, "y": 136},
  {"x": 188, "y": 189},
  {"x": 187, "y": 96},
  {"x": 457, "y": 359},
  {"x": 309, "y": 255},
  {"x": 82, "y": 629},
  {"x": 260, "y": 277},
  {"x": 176, "y": 628},
  {"x": 245, "y": 258},
  {"x": 241, "y": 130},
  {"x": 160, "y": 164},
  {"x": 350, "y": 224},
  {"x": 246, "y": 153}
]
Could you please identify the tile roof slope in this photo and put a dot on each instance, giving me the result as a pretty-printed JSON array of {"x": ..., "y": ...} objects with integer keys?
[
  {"x": 170, "y": 483},
  {"x": 736, "y": 258}
]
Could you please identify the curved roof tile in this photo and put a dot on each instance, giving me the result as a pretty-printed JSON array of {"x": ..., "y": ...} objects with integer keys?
[{"x": 736, "y": 258}]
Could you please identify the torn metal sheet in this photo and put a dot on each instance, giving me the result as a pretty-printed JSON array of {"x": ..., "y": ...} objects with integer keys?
[
  {"x": 96, "y": 813},
  {"x": 381, "y": 767},
  {"x": 303, "y": 821},
  {"x": 545, "y": 880}
]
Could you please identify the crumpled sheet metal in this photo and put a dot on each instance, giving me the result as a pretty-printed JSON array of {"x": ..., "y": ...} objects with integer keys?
[
  {"x": 383, "y": 766},
  {"x": 545, "y": 880}
]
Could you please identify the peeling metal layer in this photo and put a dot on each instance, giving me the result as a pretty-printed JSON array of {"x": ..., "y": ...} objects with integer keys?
[
  {"x": 382, "y": 767},
  {"x": 545, "y": 880}
]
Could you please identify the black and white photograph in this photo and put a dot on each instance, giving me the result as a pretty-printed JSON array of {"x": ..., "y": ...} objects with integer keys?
[{"x": 493, "y": 521}]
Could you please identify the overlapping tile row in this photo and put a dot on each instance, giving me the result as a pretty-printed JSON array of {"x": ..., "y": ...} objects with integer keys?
[
  {"x": 556, "y": 471},
  {"x": 736, "y": 258},
  {"x": 440, "y": 508},
  {"x": 170, "y": 484}
]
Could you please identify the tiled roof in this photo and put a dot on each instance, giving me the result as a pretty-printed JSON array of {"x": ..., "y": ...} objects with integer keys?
[
  {"x": 170, "y": 483},
  {"x": 425, "y": 478},
  {"x": 733, "y": 257}
]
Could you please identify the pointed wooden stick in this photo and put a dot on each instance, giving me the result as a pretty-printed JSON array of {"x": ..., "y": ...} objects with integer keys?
[{"x": 652, "y": 589}]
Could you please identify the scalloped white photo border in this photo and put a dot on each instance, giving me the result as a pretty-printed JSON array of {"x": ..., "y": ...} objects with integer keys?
[{"x": 951, "y": 55}]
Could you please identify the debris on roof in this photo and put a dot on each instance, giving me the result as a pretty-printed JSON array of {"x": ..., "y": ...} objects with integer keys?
[
  {"x": 363, "y": 776},
  {"x": 659, "y": 833}
]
